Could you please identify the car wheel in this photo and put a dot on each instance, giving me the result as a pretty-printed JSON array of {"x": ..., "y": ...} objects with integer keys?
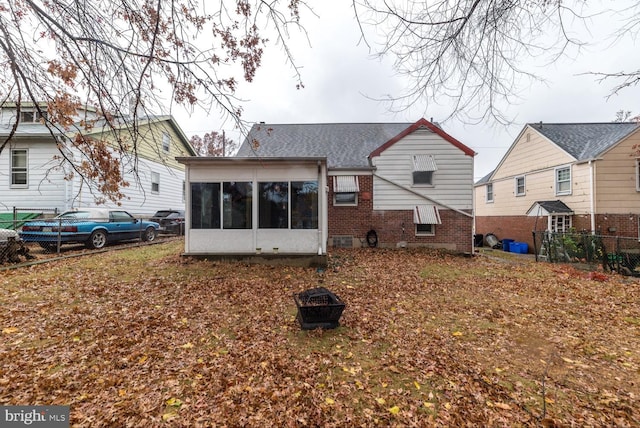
[
  {"x": 149, "y": 234},
  {"x": 98, "y": 239}
]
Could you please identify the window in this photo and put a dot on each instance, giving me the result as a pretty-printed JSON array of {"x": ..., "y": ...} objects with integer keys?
[
  {"x": 155, "y": 182},
  {"x": 560, "y": 223},
  {"x": 345, "y": 190},
  {"x": 273, "y": 205},
  {"x": 237, "y": 200},
  {"x": 423, "y": 168},
  {"x": 32, "y": 115},
  {"x": 304, "y": 205},
  {"x": 19, "y": 168},
  {"x": 205, "y": 205},
  {"x": 638, "y": 175},
  {"x": 563, "y": 181},
  {"x": 489, "y": 192},
  {"x": 520, "y": 189},
  {"x": 166, "y": 142},
  {"x": 425, "y": 217}
]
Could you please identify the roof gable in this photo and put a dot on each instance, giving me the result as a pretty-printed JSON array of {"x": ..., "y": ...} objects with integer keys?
[
  {"x": 422, "y": 123},
  {"x": 345, "y": 145}
]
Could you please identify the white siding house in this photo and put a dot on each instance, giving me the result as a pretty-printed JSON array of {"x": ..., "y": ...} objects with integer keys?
[{"x": 32, "y": 176}]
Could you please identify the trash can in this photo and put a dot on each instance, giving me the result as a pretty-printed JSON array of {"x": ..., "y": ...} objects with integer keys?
[
  {"x": 318, "y": 308},
  {"x": 478, "y": 239},
  {"x": 505, "y": 244}
]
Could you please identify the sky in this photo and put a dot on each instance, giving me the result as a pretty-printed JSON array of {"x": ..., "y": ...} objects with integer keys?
[{"x": 343, "y": 79}]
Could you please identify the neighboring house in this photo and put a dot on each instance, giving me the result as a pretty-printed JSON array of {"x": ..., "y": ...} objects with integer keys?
[
  {"x": 556, "y": 177},
  {"x": 388, "y": 184},
  {"x": 31, "y": 179}
]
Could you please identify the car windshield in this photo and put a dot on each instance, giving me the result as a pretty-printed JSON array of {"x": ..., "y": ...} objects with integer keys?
[
  {"x": 162, "y": 213},
  {"x": 175, "y": 215},
  {"x": 75, "y": 214}
]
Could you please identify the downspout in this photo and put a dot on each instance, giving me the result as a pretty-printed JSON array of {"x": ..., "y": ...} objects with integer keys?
[
  {"x": 592, "y": 202},
  {"x": 321, "y": 196}
]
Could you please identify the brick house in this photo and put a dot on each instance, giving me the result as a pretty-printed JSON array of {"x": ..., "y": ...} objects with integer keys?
[
  {"x": 561, "y": 176},
  {"x": 388, "y": 184}
]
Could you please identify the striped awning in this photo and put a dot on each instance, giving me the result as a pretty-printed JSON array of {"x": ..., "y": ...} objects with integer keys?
[
  {"x": 426, "y": 214},
  {"x": 345, "y": 184},
  {"x": 424, "y": 163}
]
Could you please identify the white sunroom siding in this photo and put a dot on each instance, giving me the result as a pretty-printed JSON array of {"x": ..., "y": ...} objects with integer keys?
[{"x": 453, "y": 180}]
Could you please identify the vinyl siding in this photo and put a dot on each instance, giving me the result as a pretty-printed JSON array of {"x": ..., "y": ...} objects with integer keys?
[
  {"x": 539, "y": 186},
  {"x": 526, "y": 156},
  {"x": 46, "y": 185},
  {"x": 47, "y": 189},
  {"x": 150, "y": 143},
  {"x": 616, "y": 179},
  {"x": 452, "y": 181}
]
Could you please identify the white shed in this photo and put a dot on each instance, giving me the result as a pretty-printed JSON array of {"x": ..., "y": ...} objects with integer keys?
[{"x": 243, "y": 208}]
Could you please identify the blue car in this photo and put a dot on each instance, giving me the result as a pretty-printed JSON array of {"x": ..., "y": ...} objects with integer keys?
[{"x": 93, "y": 227}]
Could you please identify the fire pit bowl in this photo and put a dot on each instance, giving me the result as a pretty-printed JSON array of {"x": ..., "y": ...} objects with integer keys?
[{"x": 318, "y": 308}]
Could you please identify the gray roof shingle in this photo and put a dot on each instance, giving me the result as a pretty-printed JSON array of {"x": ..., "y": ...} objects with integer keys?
[
  {"x": 345, "y": 145},
  {"x": 585, "y": 140}
]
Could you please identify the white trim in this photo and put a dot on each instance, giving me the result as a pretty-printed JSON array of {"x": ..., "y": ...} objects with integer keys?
[
  {"x": 420, "y": 233},
  {"x": 524, "y": 185},
  {"x": 486, "y": 194},
  {"x": 353, "y": 203},
  {"x": 155, "y": 181},
  {"x": 26, "y": 169},
  {"x": 557, "y": 182}
]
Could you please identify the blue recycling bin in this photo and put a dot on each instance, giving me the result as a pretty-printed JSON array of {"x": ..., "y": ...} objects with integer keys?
[{"x": 505, "y": 244}]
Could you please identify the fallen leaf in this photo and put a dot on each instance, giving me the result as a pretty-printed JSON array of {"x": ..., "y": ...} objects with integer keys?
[{"x": 502, "y": 406}]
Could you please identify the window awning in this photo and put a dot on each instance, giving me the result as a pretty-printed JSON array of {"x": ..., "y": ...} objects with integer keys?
[
  {"x": 424, "y": 163},
  {"x": 345, "y": 184},
  {"x": 426, "y": 214}
]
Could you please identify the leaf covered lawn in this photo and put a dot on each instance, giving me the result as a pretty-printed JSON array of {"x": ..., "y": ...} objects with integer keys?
[{"x": 144, "y": 337}]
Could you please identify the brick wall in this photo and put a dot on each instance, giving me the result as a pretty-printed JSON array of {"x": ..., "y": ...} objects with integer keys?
[
  {"x": 393, "y": 227},
  {"x": 520, "y": 227}
]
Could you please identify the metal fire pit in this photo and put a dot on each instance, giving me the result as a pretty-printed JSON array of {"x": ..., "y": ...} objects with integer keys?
[{"x": 318, "y": 308}]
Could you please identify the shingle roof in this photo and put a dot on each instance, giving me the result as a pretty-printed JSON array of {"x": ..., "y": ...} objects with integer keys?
[
  {"x": 551, "y": 207},
  {"x": 345, "y": 145},
  {"x": 585, "y": 140}
]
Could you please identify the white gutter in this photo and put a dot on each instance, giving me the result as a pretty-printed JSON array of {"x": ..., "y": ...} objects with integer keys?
[{"x": 592, "y": 202}]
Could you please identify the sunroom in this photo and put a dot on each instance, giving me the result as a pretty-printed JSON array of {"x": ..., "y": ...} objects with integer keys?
[{"x": 248, "y": 207}]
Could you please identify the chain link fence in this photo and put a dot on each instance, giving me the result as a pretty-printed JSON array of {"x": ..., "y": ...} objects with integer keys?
[
  {"x": 27, "y": 234},
  {"x": 615, "y": 253}
]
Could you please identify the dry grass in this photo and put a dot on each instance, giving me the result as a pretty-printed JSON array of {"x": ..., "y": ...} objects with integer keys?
[{"x": 143, "y": 337}]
